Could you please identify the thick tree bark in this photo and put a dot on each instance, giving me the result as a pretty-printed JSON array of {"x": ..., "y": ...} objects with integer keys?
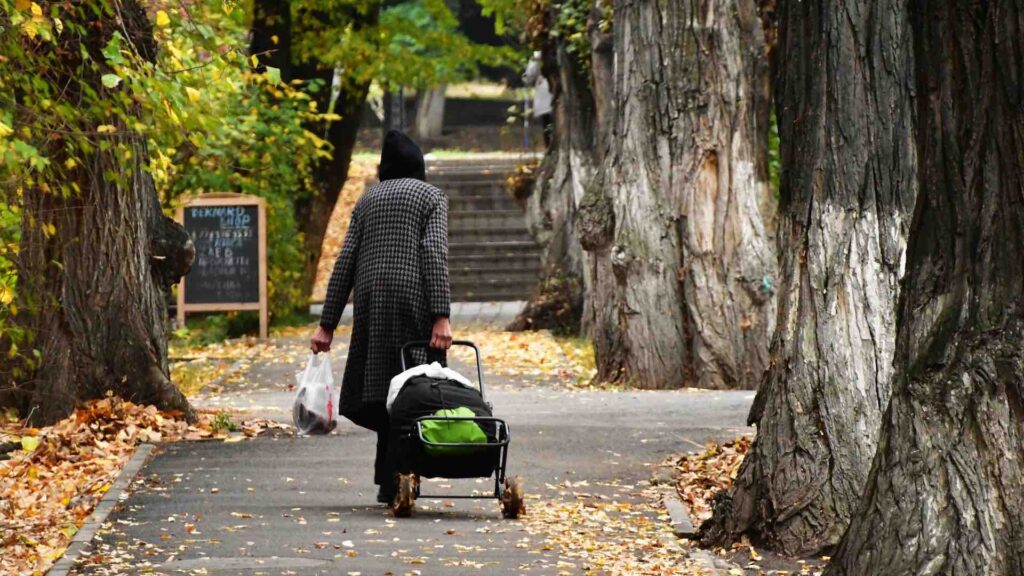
[
  {"x": 946, "y": 490},
  {"x": 680, "y": 262},
  {"x": 429, "y": 121},
  {"x": 843, "y": 91},
  {"x": 568, "y": 167},
  {"x": 313, "y": 212},
  {"x": 93, "y": 292}
]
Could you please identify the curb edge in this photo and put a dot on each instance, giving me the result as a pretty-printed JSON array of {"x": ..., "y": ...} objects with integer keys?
[{"x": 82, "y": 540}]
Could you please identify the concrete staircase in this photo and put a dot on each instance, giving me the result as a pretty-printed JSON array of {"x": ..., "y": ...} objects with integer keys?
[{"x": 491, "y": 255}]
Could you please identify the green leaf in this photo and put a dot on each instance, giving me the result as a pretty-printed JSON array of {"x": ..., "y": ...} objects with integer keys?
[
  {"x": 274, "y": 74},
  {"x": 112, "y": 51},
  {"x": 110, "y": 80}
]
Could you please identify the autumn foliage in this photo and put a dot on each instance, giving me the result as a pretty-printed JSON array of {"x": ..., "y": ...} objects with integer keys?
[{"x": 54, "y": 481}]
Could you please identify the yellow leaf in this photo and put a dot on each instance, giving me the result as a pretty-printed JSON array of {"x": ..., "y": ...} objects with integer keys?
[
  {"x": 162, "y": 19},
  {"x": 274, "y": 39},
  {"x": 30, "y": 29},
  {"x": 255, "y": 61},
  {"x": 106, "y": 129},
  {"x": 37, "y": 10},
  {"x": 193, "y": 94},
  {"x": 6, "y": 295},
  {"x": 70, "y": 163},
  {"x": 29, "y": 443}
]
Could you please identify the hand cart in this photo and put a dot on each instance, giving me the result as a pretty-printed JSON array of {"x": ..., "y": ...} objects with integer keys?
[{"x": 508, "y": 490}]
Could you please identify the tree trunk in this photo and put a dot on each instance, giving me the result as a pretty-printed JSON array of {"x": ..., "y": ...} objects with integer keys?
[
  {"x": 568, "y": 166},
  {"x": 313, "y": 212},
  {"x": 430, "y": 113},
  {"x": 680, "y": 259},
  {"x": 93, "y": 287},
  {"x": 946, "y": 489},
  {"x": 845, "y": 125}
]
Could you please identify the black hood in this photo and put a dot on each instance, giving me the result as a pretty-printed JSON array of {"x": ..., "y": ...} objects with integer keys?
[{"x": 400, "y": 157}]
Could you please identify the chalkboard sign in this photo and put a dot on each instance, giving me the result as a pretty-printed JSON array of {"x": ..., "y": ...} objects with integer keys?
[{"x": 229, "y": 273}]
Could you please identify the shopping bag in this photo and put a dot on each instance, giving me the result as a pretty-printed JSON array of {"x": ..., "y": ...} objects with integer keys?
[{"x": 315, "y": 410}]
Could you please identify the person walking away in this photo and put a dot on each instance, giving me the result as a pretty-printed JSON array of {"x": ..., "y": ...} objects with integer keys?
[
  {"x": 541, "y": 95},
  {"x": 395, "y": 258}
]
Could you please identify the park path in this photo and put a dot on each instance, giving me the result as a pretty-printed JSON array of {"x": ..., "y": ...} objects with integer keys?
[{"x": 281, "y": 504}]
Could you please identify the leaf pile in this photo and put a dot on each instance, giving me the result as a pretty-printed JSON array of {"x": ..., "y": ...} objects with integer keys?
[
  {"x": 594, "y": 535},
  {"x": 54, "y": 482},
  {"x": 698, "y": 477},
  {"x": 529, "y": 354}
]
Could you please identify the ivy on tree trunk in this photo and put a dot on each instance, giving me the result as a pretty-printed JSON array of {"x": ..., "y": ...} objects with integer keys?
[{"x": 95, "y": 267}]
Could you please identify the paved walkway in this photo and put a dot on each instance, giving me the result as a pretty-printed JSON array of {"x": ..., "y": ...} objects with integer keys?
[{"x": 287, "y": 505}]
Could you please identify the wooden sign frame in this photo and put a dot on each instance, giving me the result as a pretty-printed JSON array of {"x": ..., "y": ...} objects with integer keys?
[{"x": 230, "y": 199}]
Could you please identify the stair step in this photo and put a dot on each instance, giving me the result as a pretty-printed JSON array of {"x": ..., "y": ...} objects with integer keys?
[
  {"x": 478, "y": 203},
  {"x": 504, "y": 217},
  {"x": 492, "y": 190},
  {"x": 513, "y": 248},
  {"x": 502, "y": 278},
  {"x": 468, "y": 263},
  {"x": 483, "y": 236},
  {"x": 485, "y": 293},
  {"x": 468, "y": 179}
]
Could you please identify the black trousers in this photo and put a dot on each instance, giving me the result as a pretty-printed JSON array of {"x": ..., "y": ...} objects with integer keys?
[{"x": 375, "y": 417}]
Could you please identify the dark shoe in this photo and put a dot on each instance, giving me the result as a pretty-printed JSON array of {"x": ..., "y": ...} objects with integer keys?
[{"x": 384, "y": 497}]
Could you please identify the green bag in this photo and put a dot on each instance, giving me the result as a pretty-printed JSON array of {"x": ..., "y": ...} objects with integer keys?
[{"x": 451, "y": 432}]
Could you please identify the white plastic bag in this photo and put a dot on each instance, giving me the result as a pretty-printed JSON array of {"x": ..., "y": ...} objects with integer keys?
[{"x": 315, "y": 410}]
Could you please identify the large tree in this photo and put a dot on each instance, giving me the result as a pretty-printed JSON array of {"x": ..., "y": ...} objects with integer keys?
[
  {"x": 843, "y": 95},
  {"x": 281, "y": 39},
  {"x": 946, "y": 490},
  {"x": 677, "y": 225},
  {"x": 579, "y": 82},
  {"x": 96, "y": 253}
]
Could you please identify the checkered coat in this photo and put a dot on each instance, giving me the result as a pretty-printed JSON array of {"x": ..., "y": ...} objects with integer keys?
[{"x": 396, "y": 259}]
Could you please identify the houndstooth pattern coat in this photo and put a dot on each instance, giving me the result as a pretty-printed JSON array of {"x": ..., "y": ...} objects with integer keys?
[{"x": 396, "y": 258}]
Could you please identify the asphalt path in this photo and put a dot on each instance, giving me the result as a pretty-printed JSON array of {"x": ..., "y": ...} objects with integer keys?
[{"x": 281, "y": 504}]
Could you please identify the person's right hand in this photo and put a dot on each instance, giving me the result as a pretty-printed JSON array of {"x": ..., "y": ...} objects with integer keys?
[
  {"x": 321, "y": 340},
  {"x": 441, "y": 334}
]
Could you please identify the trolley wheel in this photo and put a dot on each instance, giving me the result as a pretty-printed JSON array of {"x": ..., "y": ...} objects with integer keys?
[
  {"x": 405, "y": 496},
  {"x": 512, "y": 502}
]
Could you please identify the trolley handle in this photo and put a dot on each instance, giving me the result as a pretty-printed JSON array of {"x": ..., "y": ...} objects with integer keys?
[{"x": 467, "y": 343}]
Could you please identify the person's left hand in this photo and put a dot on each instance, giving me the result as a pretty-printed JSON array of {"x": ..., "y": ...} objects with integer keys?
[{"x": 441, "y": 335}]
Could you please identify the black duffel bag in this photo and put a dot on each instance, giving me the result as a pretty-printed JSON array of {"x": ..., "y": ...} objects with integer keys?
[{"x": 425, "y": 396}]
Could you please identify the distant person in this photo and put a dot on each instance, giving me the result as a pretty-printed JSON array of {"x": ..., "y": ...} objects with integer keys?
[
  {"x": 541, "y": 96},
  {"x": 396, "y": 259}
]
